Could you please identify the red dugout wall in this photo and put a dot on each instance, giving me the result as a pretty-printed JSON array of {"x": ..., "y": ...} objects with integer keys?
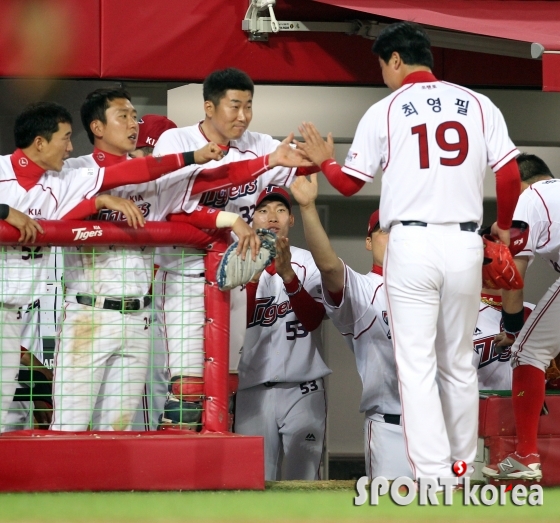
[{"x": 184, "y": 40}]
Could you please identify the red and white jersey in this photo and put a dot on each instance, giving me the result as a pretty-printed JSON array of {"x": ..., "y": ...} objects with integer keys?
[
  {"x": 277, "y": 348},
  {"x": 493, "y": 368},
  {"x": 240, "y": 200},
  {"x": 124, "y": 271},
  {"x": 362, "y": 319},
  {"x": 436, "y": 137},
  {"x": 23, "y": 269},
  {"x": 539, "y": 206}
]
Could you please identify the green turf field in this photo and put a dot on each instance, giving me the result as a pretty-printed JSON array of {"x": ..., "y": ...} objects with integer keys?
[{"x": 276, "y": 504}]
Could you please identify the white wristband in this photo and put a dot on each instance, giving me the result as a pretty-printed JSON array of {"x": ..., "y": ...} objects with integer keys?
[{"x": 226, "y": 219}]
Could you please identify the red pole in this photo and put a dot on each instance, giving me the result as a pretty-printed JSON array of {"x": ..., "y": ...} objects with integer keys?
[{"x": 216, "y": 333}]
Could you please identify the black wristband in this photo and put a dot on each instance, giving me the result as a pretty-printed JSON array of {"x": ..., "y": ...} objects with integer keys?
[
  {"x": 188, "y": 158},
  {"x": 513, "y": 323},
  {"x": 4, "y": 211}
]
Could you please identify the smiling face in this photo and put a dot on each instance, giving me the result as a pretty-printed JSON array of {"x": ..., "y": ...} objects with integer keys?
[
  {"x": 275, "y": 216},
  {"x": 51, "y": 154},
  {"x": 117, "y": 136},
  {"x": 230, "y": 118}
]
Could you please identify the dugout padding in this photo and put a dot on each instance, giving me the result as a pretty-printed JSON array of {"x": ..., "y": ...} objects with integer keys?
[
  {"x": 41, "y": 461},
  {"x": 497, "y": 427}
]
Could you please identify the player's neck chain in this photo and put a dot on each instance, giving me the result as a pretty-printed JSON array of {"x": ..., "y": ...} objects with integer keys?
[{"x": 224, "y": 148}]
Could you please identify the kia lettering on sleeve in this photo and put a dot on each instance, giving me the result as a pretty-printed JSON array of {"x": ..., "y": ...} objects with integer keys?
[{"x": 83, "y": 234}]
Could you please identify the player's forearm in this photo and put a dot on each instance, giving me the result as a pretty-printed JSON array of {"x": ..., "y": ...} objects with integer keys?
[
  {"x": 344, "y": 183},
  {"x": 326, "y": 259},
  {"x": 306, "y": 171},
  {"x": 309, "y": 312},
  {"x": 508, "y": 188},
  {"x": 83, "y": 210},
  {"x": 142, "y": 170},
  {"x": 230, "y": 174}
]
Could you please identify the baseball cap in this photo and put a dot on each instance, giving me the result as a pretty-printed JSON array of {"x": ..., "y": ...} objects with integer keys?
[
  {"x": 275, "y": 193},
  {"x": 151, "y": 127},
  {"x": 373, "y": 222}
]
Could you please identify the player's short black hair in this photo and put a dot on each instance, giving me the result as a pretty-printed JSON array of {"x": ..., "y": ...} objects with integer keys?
[
  {"x": 217, "y": 83},
  {"x": 409, "y": 40},
  {"x": 39, "y": 119},
  {"x": 530, "y": 166},
  {"x": 96, "y": 103}
]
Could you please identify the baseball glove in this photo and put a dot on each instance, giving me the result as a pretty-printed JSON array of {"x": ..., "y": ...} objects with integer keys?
[
  {"x": 498, "y": 269},
  {"x": 233, "y": 271}
]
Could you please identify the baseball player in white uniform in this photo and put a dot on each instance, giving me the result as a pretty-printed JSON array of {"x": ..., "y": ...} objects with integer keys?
[
  {"x": 281, "y": 390},
  {"x": 228, "y": 97},
  {"x": 536, "y": 342},
  {"x": 493, "y": 363},
  {"x": 356, "y": 304},
  {"x": 433, "y": 141},
  {"x": 104, "y": 341},
  {"x": 34, "y": 181}
]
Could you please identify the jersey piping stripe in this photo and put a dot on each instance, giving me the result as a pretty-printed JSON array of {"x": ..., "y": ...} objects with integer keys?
[
  {"x": 324, "y": 433},
  {"x": 534, "y": 323},
  {"x": 403, "y": 419},
  {"x": 503, "y": 157},
  {"x": 244, "y": 152},
  {"x": 188, "y": 190},
  {"x": 389, "y": 128},
  {"x": 470, "y": 93},
  {"x": 98, "y": 184},
  {"x": 547, "y": 215},
  {"x": 48, "y": 189},
  {"x": 356, "y": 170}
]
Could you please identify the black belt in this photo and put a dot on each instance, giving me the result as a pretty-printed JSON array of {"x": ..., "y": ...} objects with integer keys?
[
  {"x": 128, "y": 304},
  {"x": 393, "y": 419},
  {"x": 270, "y": 384},
  {"x": 465, "y": 226}
]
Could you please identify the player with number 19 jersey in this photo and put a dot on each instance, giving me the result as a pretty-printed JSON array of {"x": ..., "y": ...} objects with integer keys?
[{"x": 430, "y": 136}]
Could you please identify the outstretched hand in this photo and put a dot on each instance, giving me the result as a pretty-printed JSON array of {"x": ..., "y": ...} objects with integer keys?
[
  {"x": 283, "y": 260},
  {"x": 315, "y": 147},
  {"x": 210, "y": 151},
  {"x": 25, "y": 225},
  {"x": 287, "y": 156},
  {"x": 128, "y": 208},
  {"x": 305, "y": 191}
]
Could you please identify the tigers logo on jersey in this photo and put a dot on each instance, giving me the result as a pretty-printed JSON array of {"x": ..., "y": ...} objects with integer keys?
[
  {"x": 222, "y": 197},
  {"x": 118, "y": 216},
  {"x": 267, "y": 313}
]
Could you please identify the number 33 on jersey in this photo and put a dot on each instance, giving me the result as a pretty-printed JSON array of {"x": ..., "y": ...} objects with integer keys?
[{"x": 429, "y": 135}]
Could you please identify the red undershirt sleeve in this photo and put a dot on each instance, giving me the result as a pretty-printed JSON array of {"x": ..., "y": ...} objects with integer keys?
[
  {"x": 202, "y": 217},
  {"x": 508, "y": 188},
  {"x": 141, "y": 170},
  {"x": 230, "y": 174},
  {"x": 306, "y": 171},
  {"x": 84, "y": 209},
  {"x": 251, "y": 290},
  {"x": 344, "y": 183},
  {"x": 308, "y": 311},
  {"x": 336, "y": 297}
]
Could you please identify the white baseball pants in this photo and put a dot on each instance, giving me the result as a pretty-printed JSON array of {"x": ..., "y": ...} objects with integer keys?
[
  {"x": 384, "y": 449},
  {"x": 539, "y": 340},
  {"x": 11, "y": 328},
  {"x": 433, "y": 281},
  {"x": 292, "y": 420},
  {"x": 100, "y": 352}
]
